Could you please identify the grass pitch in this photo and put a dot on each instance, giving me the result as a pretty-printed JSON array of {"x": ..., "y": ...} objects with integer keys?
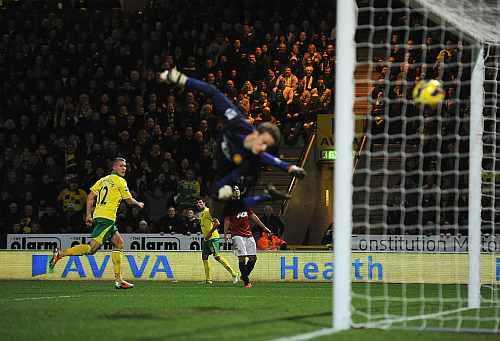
[{"x": 94, "y": 310}]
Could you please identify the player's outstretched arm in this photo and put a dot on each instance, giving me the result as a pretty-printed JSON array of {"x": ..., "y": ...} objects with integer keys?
[
  {"x": 253, "y": 217},
  {"x": 297, "y": 171},
  {"x": 222, "y": 104},
  {"x": 174, "y": 77},
  {"x": 274, "y": 161},
  {"x": 134, "y": 202}
]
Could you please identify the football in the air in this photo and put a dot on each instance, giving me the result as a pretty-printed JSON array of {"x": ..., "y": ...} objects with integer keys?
[{"x": 428, "y": 92}]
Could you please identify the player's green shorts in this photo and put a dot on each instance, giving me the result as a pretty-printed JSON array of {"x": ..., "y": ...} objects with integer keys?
[
  {"x": 104, "y": 229},
  {"x": 210, "y": 247}
]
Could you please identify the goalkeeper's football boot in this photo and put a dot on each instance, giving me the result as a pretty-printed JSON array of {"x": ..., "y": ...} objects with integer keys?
[
  {"x": 174, "y": 77},
  {"x": 56, "y": 257},
  {"x": 236, "y": 278},
  {"x": 275, "y": 194},
  {"x": 122, "y": 284}
]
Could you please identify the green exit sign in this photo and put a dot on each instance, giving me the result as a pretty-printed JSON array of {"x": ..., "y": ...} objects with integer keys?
[{"x": 328, "y": 155}]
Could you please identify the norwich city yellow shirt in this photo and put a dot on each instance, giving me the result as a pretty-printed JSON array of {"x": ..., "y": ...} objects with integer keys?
[
  {"x": 110, "y": 191},
  {"x": 207, "y": 224},
  {"x": 73, "y": 201}
]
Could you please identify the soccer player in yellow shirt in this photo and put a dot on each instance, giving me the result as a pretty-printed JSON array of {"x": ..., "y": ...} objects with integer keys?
[
  {"x": 211, "y": 244},
  {"x": 109, "y": 191}
]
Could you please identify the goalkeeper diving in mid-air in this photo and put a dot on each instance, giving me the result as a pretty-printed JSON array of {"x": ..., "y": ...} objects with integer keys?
[{"x": 242, "y": 149}]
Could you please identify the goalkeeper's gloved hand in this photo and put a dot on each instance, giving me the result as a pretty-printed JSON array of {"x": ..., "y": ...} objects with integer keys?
[
  {"x": 173, "y": 76},
  {"x": 297, "y": 171}
]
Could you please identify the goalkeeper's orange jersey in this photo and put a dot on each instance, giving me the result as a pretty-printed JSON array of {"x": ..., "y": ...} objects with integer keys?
[{"x": 110, "y": 191}]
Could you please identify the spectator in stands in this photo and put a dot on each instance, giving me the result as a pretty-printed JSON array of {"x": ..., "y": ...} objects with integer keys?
[
  {"x": 309, "y": 81},
  {"x": 206, "y": 169},
  {"x": 50, "y": 220},
  {"x": 143, "y": 227},
  {"x": 12, "y": 217},
  {"x": 187, "y": 147},
  {"x": 156, "y": 203},
  {"x": 188, "y": 190},
  {"x": 289, "y": 79},
  {"x": 52, "y": 169},
  {"x": 131, "y": 218},
  {"x": 191, "y": 222},
  {"x": 272, "y": 221},
  {"x": 73, "y": 200},
  {"x": 172, "y": 223},
  {"x": 28, "y": 223},
  {"x": 10, "y": 184},
  {"x": 88, "y": 104}
]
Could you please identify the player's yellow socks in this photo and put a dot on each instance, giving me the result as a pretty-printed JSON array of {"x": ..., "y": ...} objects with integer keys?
[
  {"x": 76, "y": 250},
  {"x": 116, "y": 257},
  {"x": 206, "y": 265},
  {"x": 226, "y": 265}
]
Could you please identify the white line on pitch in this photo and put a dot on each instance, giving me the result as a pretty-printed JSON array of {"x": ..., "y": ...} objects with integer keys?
[
  {"x": 21, "y": 299},
  {"x": 39, "y": 298},
  {"x": 309, "y": 336}
]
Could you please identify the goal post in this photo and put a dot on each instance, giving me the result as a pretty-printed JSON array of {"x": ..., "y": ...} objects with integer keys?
[
  {"x": 476, "y": 156},
  {"x": 416, "y": 228},
  {"x": 344, "y": 134}
]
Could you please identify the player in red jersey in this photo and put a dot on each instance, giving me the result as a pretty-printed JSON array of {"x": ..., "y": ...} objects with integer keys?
[{"x": 237, "y": 217}]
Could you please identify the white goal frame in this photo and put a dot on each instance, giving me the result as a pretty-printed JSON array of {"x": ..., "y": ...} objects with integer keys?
[{"x": 344, "y": 127}]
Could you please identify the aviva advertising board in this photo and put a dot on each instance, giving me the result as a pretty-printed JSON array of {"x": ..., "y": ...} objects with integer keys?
[{"x": 446, "y": 268}]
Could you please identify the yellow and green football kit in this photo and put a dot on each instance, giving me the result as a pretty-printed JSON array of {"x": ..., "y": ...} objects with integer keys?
[
  {"x": 110, "y": 191},
  {"x": 211, "y": 246}
]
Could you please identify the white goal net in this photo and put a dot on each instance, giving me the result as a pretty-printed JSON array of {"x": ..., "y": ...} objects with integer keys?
[{"x": 424, "y": 232}]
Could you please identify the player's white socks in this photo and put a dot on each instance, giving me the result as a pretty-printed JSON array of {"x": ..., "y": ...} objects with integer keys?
[
  {"x": 225, "y": 192},
  {"x": 174, "y": 76}
]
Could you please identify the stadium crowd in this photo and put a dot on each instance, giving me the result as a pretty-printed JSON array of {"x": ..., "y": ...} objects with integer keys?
[
  {"x": 430, "y": 144},
  {"x": 79, "y": 87}
]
